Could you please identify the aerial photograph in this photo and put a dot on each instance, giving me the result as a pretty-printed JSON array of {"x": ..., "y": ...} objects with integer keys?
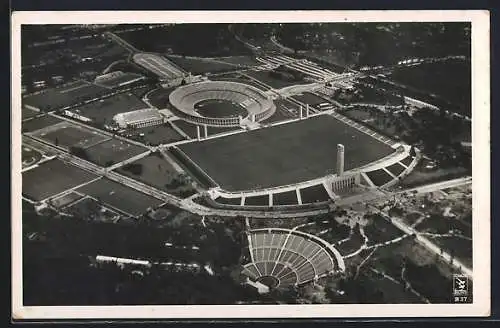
[{"x": 246, "y": 163}]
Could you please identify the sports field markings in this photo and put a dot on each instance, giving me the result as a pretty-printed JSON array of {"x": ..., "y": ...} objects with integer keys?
[
  {"x": 70, "y": 189},
  {"x": 85, "y": 84}
]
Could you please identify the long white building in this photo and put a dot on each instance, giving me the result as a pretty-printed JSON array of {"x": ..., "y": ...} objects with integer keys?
[{"x": 139, "y": 118}]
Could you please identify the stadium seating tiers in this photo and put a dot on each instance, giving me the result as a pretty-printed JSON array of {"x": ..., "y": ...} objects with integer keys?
[{"x": 287, "y": 256}]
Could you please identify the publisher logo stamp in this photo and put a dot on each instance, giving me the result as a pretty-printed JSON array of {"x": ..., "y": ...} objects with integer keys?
[{"x": 460, "y": 288}]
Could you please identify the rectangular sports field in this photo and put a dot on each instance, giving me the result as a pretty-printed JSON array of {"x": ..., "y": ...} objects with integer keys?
[
  {"x": 38, "y": 123},
  {"x": 52, "y": 178},
  {"x": 156, "y": 135},
  {"x": 283, "y": 154},
  {"x": 154, "y": 171},
  {"x": 119, "y": 196},
  {"x": 112, "y": 151},
  {"x": 103, "y": 110},
  {"x": 309, "y": 98},
  {"x": 61, "y": 97},
  {"x": 28, "y": 113},
  {"x": 69, "y": 135}
]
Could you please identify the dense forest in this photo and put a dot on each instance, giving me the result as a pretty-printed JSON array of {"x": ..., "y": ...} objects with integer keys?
[
  {"x": 60, "y": 268},
  {"x": 379, "y": 43}
]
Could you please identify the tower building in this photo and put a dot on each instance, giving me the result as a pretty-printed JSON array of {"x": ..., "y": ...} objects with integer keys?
[{"x": 340, "y": 159}]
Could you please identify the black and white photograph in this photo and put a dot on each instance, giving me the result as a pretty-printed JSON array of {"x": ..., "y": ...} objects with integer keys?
[{"x": 250, "y": 164}]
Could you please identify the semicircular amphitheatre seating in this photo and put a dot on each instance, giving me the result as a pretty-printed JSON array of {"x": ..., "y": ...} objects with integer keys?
[{"x": 288, "y": 256}]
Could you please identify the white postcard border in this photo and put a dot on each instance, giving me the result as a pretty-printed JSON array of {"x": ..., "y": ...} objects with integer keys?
[{"x": 480, "y": 152}]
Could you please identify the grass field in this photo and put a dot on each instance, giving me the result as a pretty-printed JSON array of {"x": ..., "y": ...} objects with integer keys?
[
  {"x": 69, "y": 135},
  {"x": 157, "y": 172},
  {"x": 285, "y": 198},
  {"x": 103, "y": 110},
  {"x": 202, "y": 65},
  {"x": 52, "y": 178},
  {"x": 379, "y": 177},
  {"x": 156, "y": 135},
  {"x": 229, "y": 201},
  {"x": 56, "y": 98},
  {"x": 28, "y": 113},
  {"x": 240, "y": 60},
  {"x": 112, "y": 151},
  {"x": 39, "y": 123},
  {"x": 262, "y": 200},
  {"x": 314, "y": 194},
  {"x": 219, "y": 108},
  {"x": 309, "y": 98},
  {"x": 67, "y": 199},
  {"x": 159, "y": 97},
  {"x": 121, "y": 197},
  {"x": 283, "y": 154},
  {"x": 239, "y": 79},
  {"x": 91, "y": 210},
  {"x": 396, "y": 169}
]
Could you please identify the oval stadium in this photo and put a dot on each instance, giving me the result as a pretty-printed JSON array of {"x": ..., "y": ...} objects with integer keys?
[
  {"x": 281, "y": 258},
  {"x": 254, "y": 104}
]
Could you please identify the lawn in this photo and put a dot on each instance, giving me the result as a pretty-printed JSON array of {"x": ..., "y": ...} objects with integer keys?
[
  {"x": 314, "y": 194},
  {"x": 112, "y": 151},
  {"x": 262, "y": 200},
  {"x": 202, "y": 65},
  {"x": 27, "y": 113},
  {"x": 102, "y": 111},
  {"x": 69, "y": 135},
  {"x": 285, "y": 198},
  {"x": 156, "y": 135},
  {"x": 154, "y": 170},
  {"x": 61, "y": 97},
  {"x": 52, "y": 178},
  {"x": 309, "y": 98},
  {"x": 379, "y": 177},
  {"x": 118, "y": 196},
  {"x": 284, "y": 154},
  {"x": 38, "y": 123}
]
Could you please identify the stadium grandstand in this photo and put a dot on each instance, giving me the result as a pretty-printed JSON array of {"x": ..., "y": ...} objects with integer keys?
[
  {"x": 258, "y": 105},
  {"x": 117, "y": 79},
  {"x": 139, "y": 118},
  {"x": 281, "y": 258},
  {"x": 159, "y": 65}
]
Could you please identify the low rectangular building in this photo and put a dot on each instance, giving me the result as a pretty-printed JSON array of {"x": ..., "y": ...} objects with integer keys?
[{"x": 139, "y": 118}]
